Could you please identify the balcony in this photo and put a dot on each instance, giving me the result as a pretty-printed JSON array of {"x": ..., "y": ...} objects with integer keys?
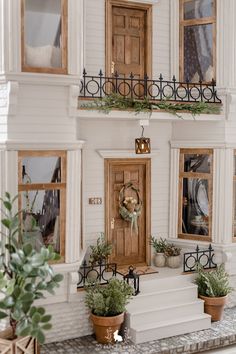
[{"x": 135, "y": 94}]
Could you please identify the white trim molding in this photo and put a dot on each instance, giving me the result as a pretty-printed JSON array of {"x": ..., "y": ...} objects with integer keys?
[
  {"x": 46, "y": 145},
  {"x": 174, "y": 38},
  {"x": 174, "y": 194},
  {"x": 153, "y": 2},
  {"x": 181, "y": 144},
  {"x": 125, "y": 154}
]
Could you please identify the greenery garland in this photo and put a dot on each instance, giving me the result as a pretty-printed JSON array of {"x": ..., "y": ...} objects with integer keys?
[
  {"x": 130, "y": 208},
  {"x": 116, "y": 101}
]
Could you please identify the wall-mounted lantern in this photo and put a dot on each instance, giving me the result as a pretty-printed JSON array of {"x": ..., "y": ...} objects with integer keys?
[{"x": 142, "y": 144}]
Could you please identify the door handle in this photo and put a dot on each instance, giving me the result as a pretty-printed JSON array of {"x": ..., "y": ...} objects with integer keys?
[
  {"x": 112, "y": 67},
  {"x": 112, "y": 223}
]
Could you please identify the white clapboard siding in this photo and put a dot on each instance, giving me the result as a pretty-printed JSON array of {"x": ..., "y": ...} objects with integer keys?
[
  {"x": 95, "y": 37},
  {"x": 107, "y": 137}
]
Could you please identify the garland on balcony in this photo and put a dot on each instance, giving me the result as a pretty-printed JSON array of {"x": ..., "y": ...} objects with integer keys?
[
  {"x": 115, "y": 101},
  {"x": 129, "y": 207}
]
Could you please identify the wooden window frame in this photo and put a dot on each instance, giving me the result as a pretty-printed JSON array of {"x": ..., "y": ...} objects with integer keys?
[
  {"x": 108, "y": 34},
  {"x": 207, "y": 176},
  {"x": 47, "y": 186},
  {"x": 64, "y": 34},
  {"x": 195, "y": 22}
]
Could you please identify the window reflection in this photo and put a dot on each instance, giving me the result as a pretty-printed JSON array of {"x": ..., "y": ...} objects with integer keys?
[
  {"x": 195, "y": 212},
  {"x": 197, "y": 163},
  {"x": 198, "y": 9},
  {"x": 41, "y": 169}
]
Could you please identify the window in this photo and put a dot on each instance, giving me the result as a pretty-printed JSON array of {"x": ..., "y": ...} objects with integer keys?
[
  {"x": 44, "y": 36},
  {"x": 42, "y": 196},
  {"x": 197, "y": 40},
  {"x": 195, "y": 194}
]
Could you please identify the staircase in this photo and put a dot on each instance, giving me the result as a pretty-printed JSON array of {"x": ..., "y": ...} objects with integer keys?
[{"x": 165, "y": 308}]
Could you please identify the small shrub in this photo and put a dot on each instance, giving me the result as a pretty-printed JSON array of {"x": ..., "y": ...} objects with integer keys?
[
  {"x": 172, "y": 250},
  {"x": 158, "y": 245}
]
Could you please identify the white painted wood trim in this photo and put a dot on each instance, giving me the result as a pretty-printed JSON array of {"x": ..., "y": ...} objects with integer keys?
[
  {"x": 41, "y": 79},
  {"x": 154, "y": 2},
  {"x": 197, "y": 144},
  {"x": 43, "y": 145},
  {"x": 222, "y": 196},
  {"x": 174, "y": 38},
  {"x": 110, "y": 154},
  {"x": 174, "y": 194},
  {"x": 130, "y": 115},
  {"x": 73, "y": 206}
]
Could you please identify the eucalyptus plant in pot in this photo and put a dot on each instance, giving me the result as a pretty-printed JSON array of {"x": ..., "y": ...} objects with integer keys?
[
  {"x": 213, "y": 288},
  {"x": 107, "y": 304},
  {"x": 24, "y": 277},
  {"x": 159, "y": 247}
]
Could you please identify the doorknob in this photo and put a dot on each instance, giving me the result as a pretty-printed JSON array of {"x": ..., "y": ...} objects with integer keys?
[
  {"x": 112, "y": 67},
  {"x": 112, "y": 223}
]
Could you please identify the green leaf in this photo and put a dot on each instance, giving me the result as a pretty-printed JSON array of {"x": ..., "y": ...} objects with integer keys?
[
  {"x": 47, "y": 326},
  {"x": 26, "y": 331},
  {"x": 27, "y": 268},
  {"x": 41, "y": 310},
  {"x": 37, "y": 260},
  {"x": 3, "y": 315},
  {"x": 6, "y": 223},
  {"x": 7, "y": 205},
  {"x": 32, "y": 311},
  {"x": 36, "y": 318},
  {"x": 10, "y": 287},
  {"x": 7, "y": 195},
  {"x": 9, "y": 301},
  {"x": 27, "y": 297},
  {"x": 27, "y": 249},
  {"x": 46, "y": 318},
  {"x": 40, "y": 337},
  {"x": 58, "y": 278}
]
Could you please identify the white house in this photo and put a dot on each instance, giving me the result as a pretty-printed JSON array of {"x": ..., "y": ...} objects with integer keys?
[{"x": 72, "y": 162}]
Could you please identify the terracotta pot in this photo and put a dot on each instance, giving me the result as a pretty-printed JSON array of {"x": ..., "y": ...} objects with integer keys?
[
  {"x": 23, "y": 345},
  {"x": 159, "y": 260},
  {"x": 214, "y": 306},
  {"x": 174, "y": 261},
  {"x": 104, "y": 327}
]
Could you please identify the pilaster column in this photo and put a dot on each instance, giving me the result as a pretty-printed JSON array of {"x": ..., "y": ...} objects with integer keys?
[
  {"x": 174, "y": 193},
  {"x": 222, "y": 196},
  {"x": 73, "y": 206}
]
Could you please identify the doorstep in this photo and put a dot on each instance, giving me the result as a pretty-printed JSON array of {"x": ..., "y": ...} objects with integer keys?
[{"x": 221, "y": 334}]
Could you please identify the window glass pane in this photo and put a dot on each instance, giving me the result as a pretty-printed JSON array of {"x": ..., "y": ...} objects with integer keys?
[
  {"x": 198, "y": 53},
  {"x": 195, "y": 210},
  {"x": 198, "y": 9},
  {"x": 41, "y": 219},
  {"x": 41, "y": 169},
  {"x": 43, "y": 33},
  {"x": 197, "y": 163}
]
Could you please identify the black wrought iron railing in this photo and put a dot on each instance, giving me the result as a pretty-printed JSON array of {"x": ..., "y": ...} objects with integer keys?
[
  {"x": 93, "y": 86},
  {"x": 203, "y": 257},
  {"x": 99, "y": 272}
]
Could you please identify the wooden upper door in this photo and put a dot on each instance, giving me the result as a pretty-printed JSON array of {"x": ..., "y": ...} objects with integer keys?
[
  {"x": 128, "y": 38},
  {"x": 129, "y": 247},
  {"x": 128, "y": 47}
]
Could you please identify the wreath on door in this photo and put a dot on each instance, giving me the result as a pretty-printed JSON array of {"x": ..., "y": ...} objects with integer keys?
[{"x": 130, "y": 207}]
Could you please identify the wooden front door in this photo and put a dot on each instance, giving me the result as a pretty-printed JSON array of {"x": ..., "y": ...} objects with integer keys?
[
  {"x": 129, "y": 247},
  {"x": 128, "y": 39}
]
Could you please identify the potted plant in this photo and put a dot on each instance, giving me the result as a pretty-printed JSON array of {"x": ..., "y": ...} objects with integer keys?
[
  {"x": 173, "y": 256},
  {"x": 107, "y": 304},
  {"x": 101, "y": 251},
  {"x": 213, "y": 288},
  {"x": 24, "y": 277},
  {"x": 159, "y": 247}
]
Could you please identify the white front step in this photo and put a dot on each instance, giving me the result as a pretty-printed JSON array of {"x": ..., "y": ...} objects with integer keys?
[
  {"x": 157, "y": 313},
  {"x": 165, "y": 307},
  {"x": 164, "y": 329},
  {"x": 163, "y": 298}
]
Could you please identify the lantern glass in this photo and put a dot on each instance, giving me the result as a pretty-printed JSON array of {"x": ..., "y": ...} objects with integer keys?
[
  {"x": 133, "y": 280},
  {"x": 142, "y": 145}
]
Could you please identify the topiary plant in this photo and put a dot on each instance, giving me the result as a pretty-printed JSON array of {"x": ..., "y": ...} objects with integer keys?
[
  {"x": 214, "y": 283},
  {"x": 24, "y": 277},
  {"x": 110, "y": 299}
]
